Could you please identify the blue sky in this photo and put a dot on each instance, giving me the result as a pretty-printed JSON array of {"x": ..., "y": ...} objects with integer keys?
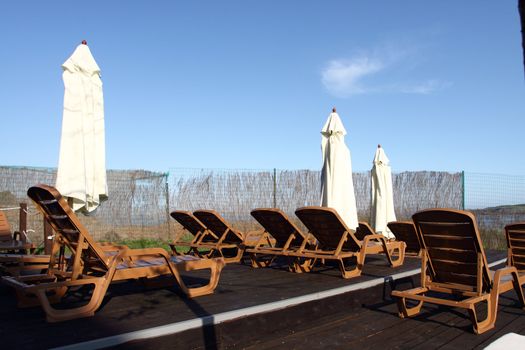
[{"x": 249, "y": 84}]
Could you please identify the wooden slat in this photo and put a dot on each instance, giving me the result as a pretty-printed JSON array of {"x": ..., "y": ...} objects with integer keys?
[
  {"x": 452, "y": 242},
  {"x": 517, "y": 243},
  {"x": 518, "y": 251},
  {"x": 447, "y": 228},
  {"x": 454, "y": 267},
  {"x": 519, "y": 262},
  {"x": 451, "y": 277},
  {"x": 459, "y": 255}
]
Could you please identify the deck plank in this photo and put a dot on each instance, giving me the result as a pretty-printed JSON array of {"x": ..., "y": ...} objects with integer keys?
[{"x": 364, "y": 318}]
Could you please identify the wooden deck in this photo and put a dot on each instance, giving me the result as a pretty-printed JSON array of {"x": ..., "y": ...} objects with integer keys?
[{"x": 262, "y": 309}]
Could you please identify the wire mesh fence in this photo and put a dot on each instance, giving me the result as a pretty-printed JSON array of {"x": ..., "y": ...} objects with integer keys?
[
  {"x": 137, "y": 205},
  {"x": 496, "y": 200},
  {"x": 234, "y": 193},
  {"x": 140, "y": 201}
]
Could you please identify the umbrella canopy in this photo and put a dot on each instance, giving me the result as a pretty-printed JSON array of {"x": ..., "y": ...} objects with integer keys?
[
  {"x": 382, "y": 206},
  {"x": 81, "y": 173},
  {"x": 337, "y": 187}
]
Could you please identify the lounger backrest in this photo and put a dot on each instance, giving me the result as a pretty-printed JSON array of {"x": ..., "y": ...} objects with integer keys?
[
  {"x": 327, "y": 227},
  {"x": 277, "y": 223},
  {"x": 515, "y": 234},
  {"x": 452, "y": 243},
  {"x": 192, "y": 224},
  {"x": 363, "y": 230},
  {"x": 218, "y": 226},
  {"x": 405, "y": 231},
  {"x": 5, "y": 229},
  {"x": 67, "y": 227}
]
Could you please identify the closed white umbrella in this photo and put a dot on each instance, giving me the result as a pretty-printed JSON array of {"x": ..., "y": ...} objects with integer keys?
[
  {"x": 337, "y": 187},
  {"x": 382, "y": 206},
  {"x": 81, "y": 173}
]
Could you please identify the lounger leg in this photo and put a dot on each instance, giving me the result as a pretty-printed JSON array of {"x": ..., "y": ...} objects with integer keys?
[
  {"x": 55, "y": 315},
  {"x": 399, "y": 247},
  {"x": 215, "y": 266},
  {"x": 205, "y": 255},
  {"x": 404, "y": 310},
  {"x": 489, "y": 322},
  {"x": 353, "y": 272},
  {"x": 259, "y": 261},
  {"x": 518, "y": 289},
  {"x": 400, "y": 254},
  {"x": 300, "y": 265},
  {"x": 492, "y": 303},
  {"x": 232, "y": 259},
  {"x": 25, "y": 300}
]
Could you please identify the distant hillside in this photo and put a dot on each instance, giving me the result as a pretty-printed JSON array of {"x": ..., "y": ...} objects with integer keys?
[{"x": 502, "y": 210}]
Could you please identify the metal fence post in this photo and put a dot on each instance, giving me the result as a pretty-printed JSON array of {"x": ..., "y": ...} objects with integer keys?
[
  {"x": 463, "y": 189},
  {"x": 22, "y": 221},
  {"x": 167, "y": 187},
  {"x": 274, "y": 187}
]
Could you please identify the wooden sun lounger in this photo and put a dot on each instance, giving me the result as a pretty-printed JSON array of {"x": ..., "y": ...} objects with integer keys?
[
  {"x": 363, "y": 230},
  {"x": 406, "y": 231},
  {"x": 337, "y": 242},
  {"x": 20, "y": 264},
  {"x": 515, "y": 236},
  {"x": 95, "y": 265},
  {"x": 454, "y": 264},
  {"x": 14, "y": 247},
  {"x": 13, "y": 242},
  {"x": 230, "y": 244},
  {"x": 280, "y": 238},
  {"x": 203, "y": 242}
]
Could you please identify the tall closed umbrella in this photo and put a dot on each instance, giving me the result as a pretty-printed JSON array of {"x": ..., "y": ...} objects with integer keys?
[
  {"x": 382, "y": 206},
  {"x": 337, "y": 187},
  {"x": 81, "y": 173}
]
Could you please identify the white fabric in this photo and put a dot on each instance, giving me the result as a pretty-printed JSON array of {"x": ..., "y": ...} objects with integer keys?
[
  {"x": 382, "y": 205},
  {"x": 337, "y": 187},
  {"x": 507, "y": 342},
  {"x": 82, "y": 165}
]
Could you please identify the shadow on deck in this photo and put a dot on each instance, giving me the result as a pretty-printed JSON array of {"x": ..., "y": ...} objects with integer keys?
[{"x": 263, "y": 309}]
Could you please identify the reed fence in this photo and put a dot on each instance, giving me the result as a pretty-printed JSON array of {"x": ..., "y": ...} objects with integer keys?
[{"x": 140, "y": 200}]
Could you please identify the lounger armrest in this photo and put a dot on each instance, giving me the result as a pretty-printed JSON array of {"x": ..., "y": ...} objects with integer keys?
[
  {"x": 13, "y": 282},
  {"x": 408, "y": 292},
  {"x": 17, "y": 283},
  {"x": 499, "y": 274}
]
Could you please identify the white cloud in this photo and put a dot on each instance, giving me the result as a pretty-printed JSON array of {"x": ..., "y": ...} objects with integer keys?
[
  {"x": 343, "y": 77},
  {"x": 348, "y": 77}
]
